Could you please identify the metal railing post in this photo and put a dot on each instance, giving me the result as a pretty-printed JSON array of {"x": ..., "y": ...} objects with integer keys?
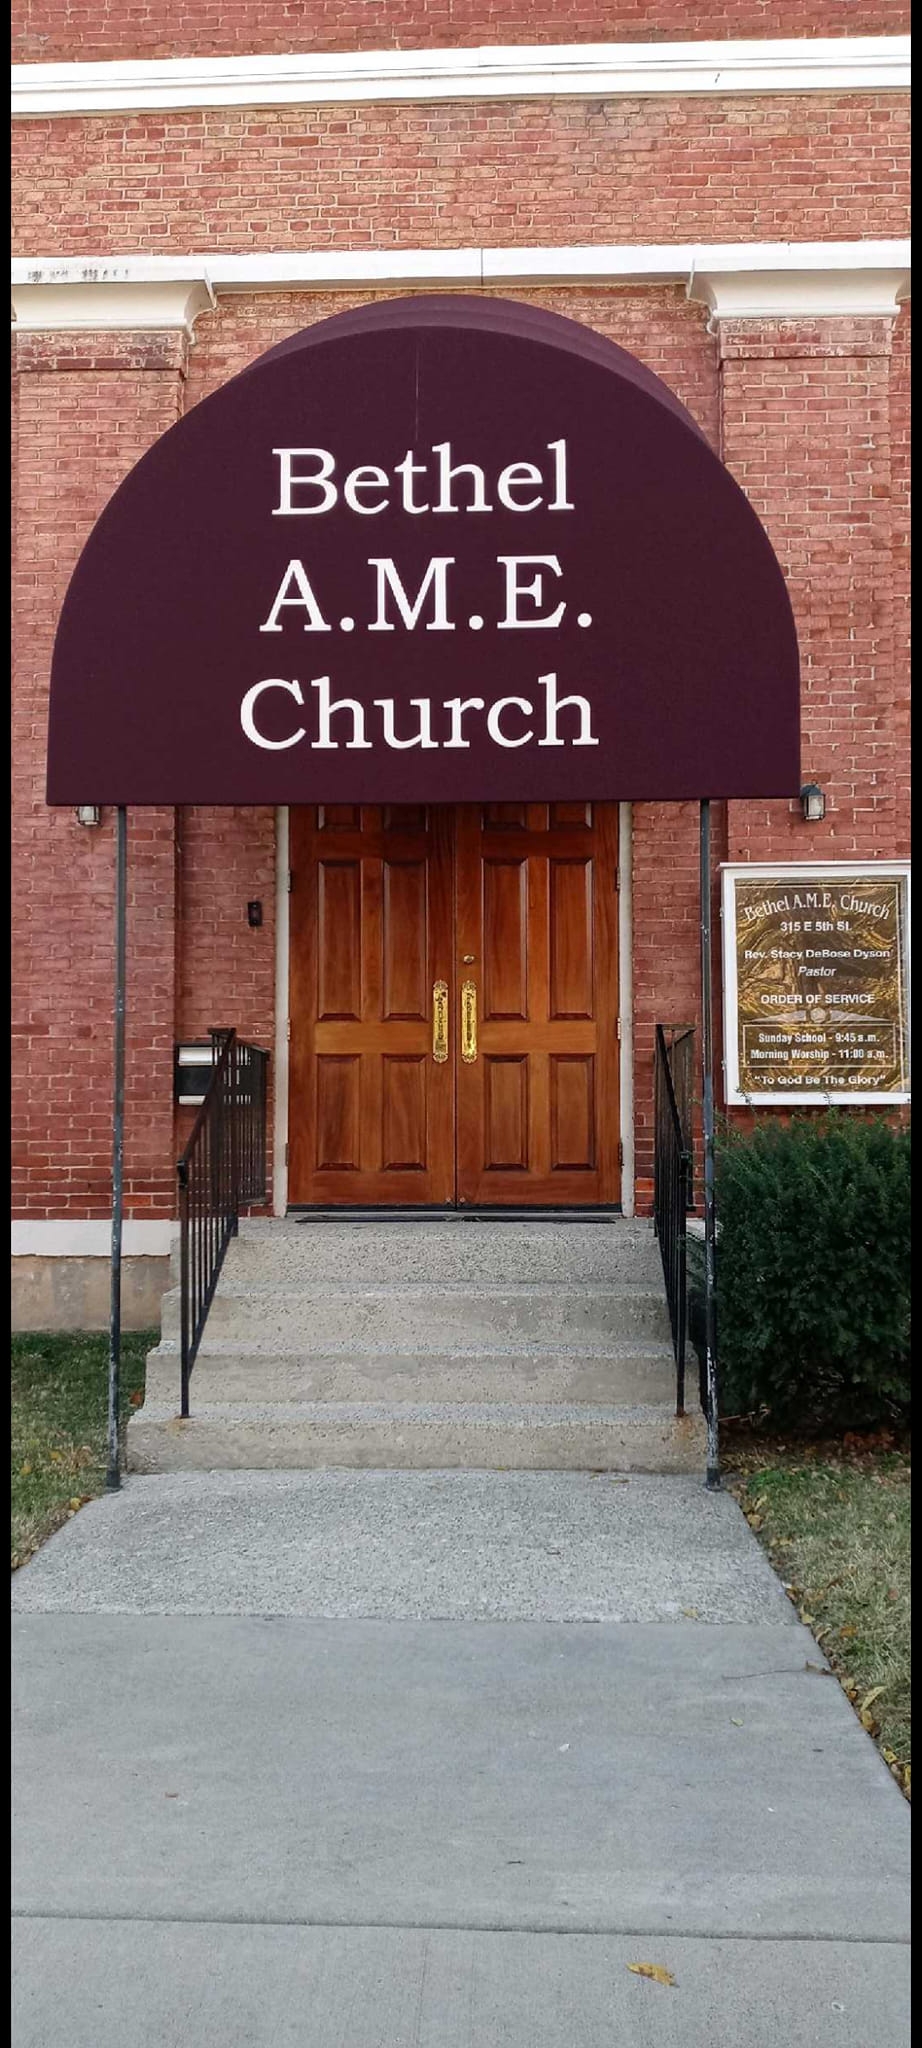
[
  {"x": 113, "y": 1459},
  {"x": 223, "y": 1167},
  {"x": 185, "y": 1319},
  {"x": 710, "y": 1202}
]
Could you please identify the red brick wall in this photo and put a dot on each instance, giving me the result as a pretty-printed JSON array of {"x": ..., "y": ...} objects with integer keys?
[
  {"x": 656, "y": 170},
  {"x": 70, "y": 31},
  {"x": 812, "y": 418}
]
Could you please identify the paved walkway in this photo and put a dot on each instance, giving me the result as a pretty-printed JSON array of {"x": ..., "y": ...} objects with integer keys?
[{"x": 343, "y": 1759}]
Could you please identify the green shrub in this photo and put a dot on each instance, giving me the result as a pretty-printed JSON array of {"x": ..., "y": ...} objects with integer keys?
[{"x": 813, "y": 1271}]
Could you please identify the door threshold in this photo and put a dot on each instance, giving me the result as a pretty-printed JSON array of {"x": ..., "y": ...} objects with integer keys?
[{"x": 392, "y": 1214}]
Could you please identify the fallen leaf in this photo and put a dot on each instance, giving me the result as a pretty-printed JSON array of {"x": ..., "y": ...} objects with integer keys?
[
  {"x": 821, "y": 1670},
  {"x": 735, "y": 1722},
  {"x": 136, "y": 1399},
  {"x": 870, "y": 1697},
  {"x": 691, "y": 1613},
  {"x": 654, "y": 1971},
  {"x": 24, "y": 1471}
]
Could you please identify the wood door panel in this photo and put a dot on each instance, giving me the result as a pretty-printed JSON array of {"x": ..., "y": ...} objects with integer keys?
[
  {"x": 406, "y": 989},
  {"x": 505, "y": 1084},
  {"x": 371, "y": 1113},
  {"x": 570, "y": 814},
  {"x": 504, "y": 817},
  {"x": 538, "y": 1108},
  {"x": 339, "y": 939},
  {"x": 570, "y": 938},
  {"x": 571, "y": 1092},
  {"x": 505, "y": 946},
  {"x": 338, "y": 818},
  {"x": 403, "y": 1112},
  {"x": 339, "y": 1111}
]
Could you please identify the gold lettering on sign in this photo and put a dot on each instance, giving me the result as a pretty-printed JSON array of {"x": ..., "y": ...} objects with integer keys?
[
  {"x": 440, "y": 1021},
  {"x": 469, "y": 1021},
  {"x": 821, "y": 985}
]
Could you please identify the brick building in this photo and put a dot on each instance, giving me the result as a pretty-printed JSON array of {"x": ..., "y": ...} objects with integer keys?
[{"x": 721, "y": 190}]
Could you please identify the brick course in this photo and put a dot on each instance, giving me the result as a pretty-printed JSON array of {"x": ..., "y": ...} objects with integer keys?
[
  {"x": 70, "y": 30},
  {"x": 672, "y": 169}
]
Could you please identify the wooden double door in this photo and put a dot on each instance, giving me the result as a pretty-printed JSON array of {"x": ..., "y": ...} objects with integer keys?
[{"x": 454, "y": 1005}]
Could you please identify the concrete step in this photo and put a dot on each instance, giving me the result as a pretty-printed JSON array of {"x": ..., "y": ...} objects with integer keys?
[
  {"x": 455, "y": 1252},
  {"x": 384, "y": 1435},
  {"x": 625, "y": 1374},
  {"x": 438, "y": 1318},
  {"x": 435, "y": 1342}
]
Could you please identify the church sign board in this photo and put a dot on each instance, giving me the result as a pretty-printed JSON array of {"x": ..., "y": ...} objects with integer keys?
[{"x": 816, "y": 983}]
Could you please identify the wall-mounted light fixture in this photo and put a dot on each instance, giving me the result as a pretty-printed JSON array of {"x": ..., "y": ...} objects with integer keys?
[
  {"x": 88, "y": 814},
  {"x": 812, "y": 803}
]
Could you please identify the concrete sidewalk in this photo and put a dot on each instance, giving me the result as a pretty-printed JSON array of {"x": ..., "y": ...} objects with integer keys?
[{"x": 436, "y": 1787}]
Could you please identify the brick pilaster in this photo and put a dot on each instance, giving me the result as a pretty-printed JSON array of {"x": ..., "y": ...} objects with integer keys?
[
  {"x": 806, "y": 430},
  {"x": 88, "y": 407}
]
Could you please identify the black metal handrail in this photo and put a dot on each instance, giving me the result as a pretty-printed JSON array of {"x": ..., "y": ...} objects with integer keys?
[
  {"x": 222, "y": 1169},
  {"x": 673, "y": 1178}
]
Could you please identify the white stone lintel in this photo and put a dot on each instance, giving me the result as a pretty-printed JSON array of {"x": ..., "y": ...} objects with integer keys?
[
  {"x": 799, "y": 294},
  {"x": 110, "y": 304}
]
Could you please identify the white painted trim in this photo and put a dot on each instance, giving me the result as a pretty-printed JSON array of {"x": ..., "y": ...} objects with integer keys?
[
  {"x": 626, "y": 999},
  {"x": 91, "y": 1237},
  {"x": 282, "y": 983},
  {"x": 813, "y": 871},
  {"x": 519, "y": 71},
  {"x": 773, "y": 294},
  {"x": 747, "y": 279},
  {"x": 136, "y": 304}
]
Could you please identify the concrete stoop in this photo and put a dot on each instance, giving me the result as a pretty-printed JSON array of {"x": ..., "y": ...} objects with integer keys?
[{"x": 468, "y": 1342}]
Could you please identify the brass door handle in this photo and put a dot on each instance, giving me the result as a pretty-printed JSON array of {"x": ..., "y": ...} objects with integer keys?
[
  {"x": 440, "y": 1022},
  {"x": 469, "y": 1021}
]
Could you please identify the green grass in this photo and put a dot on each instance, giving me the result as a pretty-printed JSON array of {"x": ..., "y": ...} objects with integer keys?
[
  {"x": 837, "y": 1530},
  {"x": 59, "y": 1427}
]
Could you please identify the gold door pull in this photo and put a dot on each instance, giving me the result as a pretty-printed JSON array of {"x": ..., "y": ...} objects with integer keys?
[
  {"x": 469, "y": 1021},
  {"x": 440, "y": 1022}
]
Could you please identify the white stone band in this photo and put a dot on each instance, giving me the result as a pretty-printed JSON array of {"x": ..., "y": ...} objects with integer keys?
[
  {"x": 740, "y": 279},
  {"x": 84, "y": 1237},
  {"x": 521, "y": 71}
]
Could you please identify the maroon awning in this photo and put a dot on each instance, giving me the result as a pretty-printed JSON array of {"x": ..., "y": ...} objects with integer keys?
[{"x": 436, "y": 549}]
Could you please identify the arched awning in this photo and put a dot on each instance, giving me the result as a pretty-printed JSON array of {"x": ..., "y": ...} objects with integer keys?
[{"x": 457, "y": 514}]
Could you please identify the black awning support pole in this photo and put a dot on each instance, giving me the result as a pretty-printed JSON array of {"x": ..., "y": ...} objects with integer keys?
[
  {"x": 113, "y": 1472},
  {"x": 707, "y": 1120}
]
